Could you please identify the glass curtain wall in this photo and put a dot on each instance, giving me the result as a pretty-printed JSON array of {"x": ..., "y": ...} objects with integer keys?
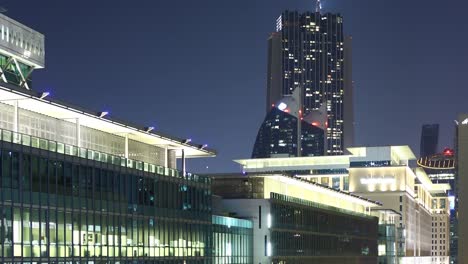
[
  {"x": 56, "y": 208},
  {"x": 232, "y": 240}
]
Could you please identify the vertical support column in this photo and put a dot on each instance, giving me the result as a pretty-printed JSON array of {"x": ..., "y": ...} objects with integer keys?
[
  {"x": 126, "y": 146},
  {"x": 15, "y": 117},
  {"x": 78, "y": 133},
  {"x": 183, "y": 162},
  {"x": 166, "y": 158}
]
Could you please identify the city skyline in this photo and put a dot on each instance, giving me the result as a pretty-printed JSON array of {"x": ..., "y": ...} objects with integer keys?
[{"x": 213, "y": 56}]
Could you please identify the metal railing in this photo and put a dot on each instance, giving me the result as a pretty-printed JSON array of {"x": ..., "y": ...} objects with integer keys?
[
  {"x": 291, "y": 199},
  {"x": 71, "y": 150}
]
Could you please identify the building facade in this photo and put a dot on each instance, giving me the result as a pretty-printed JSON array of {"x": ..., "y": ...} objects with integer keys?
[
  {"x": 461, "y": 153},
  {"x": 278, "y": 137},
  {"x": 440, "y": 168},
  {"x": 383, "y": 174},
  {"x": 295, "y": 221},
  {"x": 307, "y": 52},
  {"x": 232, "y": 240},
  {"x": 79, "y": 187},
  {"x": 429, "y": 140}
]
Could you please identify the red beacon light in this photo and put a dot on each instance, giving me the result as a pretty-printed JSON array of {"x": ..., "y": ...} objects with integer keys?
[{"x": 448, "y": 152}]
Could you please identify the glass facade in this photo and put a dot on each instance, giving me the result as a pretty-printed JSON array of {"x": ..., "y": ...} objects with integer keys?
[
  {"x": 311, "y": 58},
  {"x": 387, "y": 244},
  {"x": 429, "y": 140},
  {"x": 303, "y": 232},
  {"x": 232, "y": 240},
  {"x": 60, "y": 208},
  {"x": 277, "y": 137},
  {"x": 64, "y": 132},
  {"x": 11, "y": 72}
]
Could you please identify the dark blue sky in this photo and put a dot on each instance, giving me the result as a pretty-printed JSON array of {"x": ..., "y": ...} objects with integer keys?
[{"x": 197, "y": 68}]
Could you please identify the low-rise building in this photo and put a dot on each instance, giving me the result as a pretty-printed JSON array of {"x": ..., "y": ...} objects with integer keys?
[
  {"x": 296, "y": 221},
  {"x": 385, "y": 174}
]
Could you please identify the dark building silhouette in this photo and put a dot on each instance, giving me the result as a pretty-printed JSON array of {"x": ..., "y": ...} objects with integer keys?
[
  {"x": 309, "y": 52},
  {"x": 429, "y": 140},
  {"x": 277, "y": 137}
]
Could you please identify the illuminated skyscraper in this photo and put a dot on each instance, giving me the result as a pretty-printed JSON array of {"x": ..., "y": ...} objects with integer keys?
[{"x": 309, "y": 52}]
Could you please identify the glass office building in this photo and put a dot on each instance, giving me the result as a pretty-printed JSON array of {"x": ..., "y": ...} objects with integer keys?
[
  {"x": 299, "y": 222},
  {"x": 58, "y": 208},
  {"x": 79, "y": 187},
  {"x": 304, "y": 232},
  {"x": 309, "y": 52},
  {"x": 277, "y": 137},
  {"x": 232, "y": 240}
]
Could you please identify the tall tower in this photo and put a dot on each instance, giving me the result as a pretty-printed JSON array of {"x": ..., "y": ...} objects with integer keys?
[
  {"x": 307, "y": 52},
  {"x": 429, "y": 140}
]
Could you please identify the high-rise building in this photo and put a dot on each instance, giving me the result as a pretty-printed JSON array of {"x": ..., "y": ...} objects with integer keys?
[
  {"x": 309, "y": 52},
  {"x": 278, "y": 134},
  {"x": 429, "y": 140},
  {"x": 461, "y": 152}
]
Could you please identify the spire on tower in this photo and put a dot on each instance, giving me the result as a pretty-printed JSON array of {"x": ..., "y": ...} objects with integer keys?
[{"x": 318, "y": 6}]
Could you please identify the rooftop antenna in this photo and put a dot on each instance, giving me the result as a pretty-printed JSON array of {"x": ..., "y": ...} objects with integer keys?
[{"x": 318, "y": 6}]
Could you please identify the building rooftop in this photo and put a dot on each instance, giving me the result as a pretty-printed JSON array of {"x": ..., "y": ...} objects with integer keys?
[
  {"x": 36, "y": 102},
  {"x": 313, "y": 186},
  {"x": 21, "y": 42}
]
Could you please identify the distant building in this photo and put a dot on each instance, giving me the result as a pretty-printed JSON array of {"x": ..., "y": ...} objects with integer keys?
[
  {"x": 286, "y": 132},
  {"x": 310, "y": 52},
  {"x": 429, "y": 140},
  {"x": 278, "y": 137}
]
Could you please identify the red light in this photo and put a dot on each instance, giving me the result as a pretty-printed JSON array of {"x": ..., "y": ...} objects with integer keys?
[
  {"x": 448, "y": 152},
  {"x": 316, "y": 124},
  {"x": 286, "y": 110},
  {"x": 272, "y": 105}
]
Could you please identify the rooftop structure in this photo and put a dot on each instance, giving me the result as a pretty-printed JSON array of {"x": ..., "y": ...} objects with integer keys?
[{"x": 21, "y": 52}]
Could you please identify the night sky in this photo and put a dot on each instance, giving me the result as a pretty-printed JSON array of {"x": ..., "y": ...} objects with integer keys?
[{"x": 197, "y": 69}]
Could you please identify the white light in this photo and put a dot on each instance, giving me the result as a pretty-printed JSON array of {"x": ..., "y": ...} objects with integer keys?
[
  {"x": 282, "y": 106},
  {"x": 268, "y": 249},
  {"x": 44, "y": 95},
  {"x": 204, "y": 146},
  {"x": 103, "y": 114},
  {"x": 465, "y": 122},
  {"x": 269, "y": 220},
  {"x": 188, "y": 140},
  {"x": 377, "y": 180},
  {"x": 149, "y": 129},
  {"x": 228, "y": 249},
  {"x": 27, "y": 54}
]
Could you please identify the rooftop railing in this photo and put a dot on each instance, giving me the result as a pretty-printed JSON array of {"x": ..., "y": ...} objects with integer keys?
[
  {"x": 291, "y": 199},
  {"x": 71, "y": 150}
]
